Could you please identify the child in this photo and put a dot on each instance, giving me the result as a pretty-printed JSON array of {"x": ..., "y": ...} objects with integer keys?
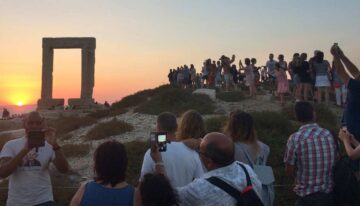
[
  {"x": 282, "y": 82},
  {"x": 250, "y": 77}
]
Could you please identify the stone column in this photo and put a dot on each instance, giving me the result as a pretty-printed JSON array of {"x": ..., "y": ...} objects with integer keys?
[
  {"x": 47, "y": 70},
  {"x": 87, "y": 72}
]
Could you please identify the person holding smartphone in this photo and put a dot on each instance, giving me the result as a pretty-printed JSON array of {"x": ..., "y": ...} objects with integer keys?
[
  {"x": 26, "y": 162},
  {"x": 351, "y": 78},
  {"x": 181, "y": 164}
]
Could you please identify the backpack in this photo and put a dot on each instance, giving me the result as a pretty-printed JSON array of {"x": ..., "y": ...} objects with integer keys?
[
  {"x": 346, "y": 187},
  {"x": 266, "y": 176},
  {"x": 247, "y": 197}
]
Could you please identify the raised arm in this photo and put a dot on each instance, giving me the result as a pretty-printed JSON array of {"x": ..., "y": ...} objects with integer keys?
[
  {"x": 241, "y": 66},
  {"x": 60, "y": 161},
  {"x": 353, "y": 70},
  {"x": 340, "y": 56},
  {"x": 232, "y": 59}
]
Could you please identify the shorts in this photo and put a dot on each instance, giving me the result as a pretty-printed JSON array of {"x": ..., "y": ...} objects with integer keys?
[
  {"x": 227, "y": 78},
  {"x": 322, "y": 81},
  {"x": 296, "y": 79}
]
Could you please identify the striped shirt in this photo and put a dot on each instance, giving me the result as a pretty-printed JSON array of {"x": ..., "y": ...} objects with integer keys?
[{"x": 312, "y": 150}]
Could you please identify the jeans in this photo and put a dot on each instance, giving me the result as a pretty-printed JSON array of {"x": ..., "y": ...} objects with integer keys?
[
  {"x": 340, "y": 94},
  {"x": 316, "y": 199}
]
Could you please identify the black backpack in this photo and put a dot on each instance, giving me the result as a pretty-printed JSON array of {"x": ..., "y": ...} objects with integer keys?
[
  {"x": 247, "y": 197},
  {"x": 346, "y": 187}
]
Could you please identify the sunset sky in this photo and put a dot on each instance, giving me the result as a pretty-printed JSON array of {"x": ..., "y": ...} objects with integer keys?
[{"x": 138, "y": 41}]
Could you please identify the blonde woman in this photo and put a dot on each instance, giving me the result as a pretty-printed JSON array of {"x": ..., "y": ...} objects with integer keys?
[
  {"x": 248, "y": 148},
  {"x": 192, "y": 125},
  {"x": 241, "y": 129}
]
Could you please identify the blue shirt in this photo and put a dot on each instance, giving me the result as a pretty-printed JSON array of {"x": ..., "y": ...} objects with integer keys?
[
  {"x": 352, "y": 110},
  {"x": 98, "y": 195}
]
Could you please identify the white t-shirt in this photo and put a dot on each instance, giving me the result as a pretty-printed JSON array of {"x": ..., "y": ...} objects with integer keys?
[
  {"x": 30, "y": 184},
  {"x": 182, "y": 165},
  {"x": 271, "y": 67}
]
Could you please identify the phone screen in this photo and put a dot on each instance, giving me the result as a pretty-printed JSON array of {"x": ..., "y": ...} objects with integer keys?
[
  {"x": 158, "y": 138},
  {"x": 162, "y": 138}
]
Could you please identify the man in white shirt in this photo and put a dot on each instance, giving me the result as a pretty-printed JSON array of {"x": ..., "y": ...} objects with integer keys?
[
  {"x": 181, "y": 163},
  {"x": 27, "y": 165},
  {"x": 270, "y": 66},
  {"x": 217, "y": 154}
]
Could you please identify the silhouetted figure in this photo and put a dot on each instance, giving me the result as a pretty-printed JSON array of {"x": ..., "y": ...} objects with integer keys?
[
  {"x": 106, "y": 104},
  {"x": 5, "y": 114}
]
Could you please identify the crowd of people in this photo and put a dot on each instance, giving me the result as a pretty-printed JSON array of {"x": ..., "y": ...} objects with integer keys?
[
  {"x": 193, "y": 167},
  {"x": 302, "y": 79}
]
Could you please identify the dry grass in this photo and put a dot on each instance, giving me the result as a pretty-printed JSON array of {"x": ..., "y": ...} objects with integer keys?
[
  {"x": 64, "y": 125},
  {"x": 9, "y": 125},
  {"x": 177, "y": 101},
  {"x": 215, "y": 124},
  {"x": 135, "y": 151},
  {"x": 232, "y": 96},
  {"x": 107, "y": 113},
  {"x": 107, "y": 129},
  {"x": 76, "y": 150}
]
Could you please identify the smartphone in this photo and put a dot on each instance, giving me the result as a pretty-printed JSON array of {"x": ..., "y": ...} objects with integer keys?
[
  {"x": 36, "y": 139},
  {"x": 160, "y": 139}
]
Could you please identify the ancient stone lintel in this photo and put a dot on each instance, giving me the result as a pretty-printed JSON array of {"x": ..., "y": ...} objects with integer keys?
[
  {"x": 49, "y": 104},
  {"x": 77, "y": 103},
  {"x": 69, "y": 42}
]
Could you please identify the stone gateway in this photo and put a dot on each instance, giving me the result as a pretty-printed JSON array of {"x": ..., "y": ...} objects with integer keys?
[{"x": 87, "y": 45}]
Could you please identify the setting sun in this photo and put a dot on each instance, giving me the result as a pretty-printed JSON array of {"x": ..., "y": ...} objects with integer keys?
[{"x": 19, "y": 104}]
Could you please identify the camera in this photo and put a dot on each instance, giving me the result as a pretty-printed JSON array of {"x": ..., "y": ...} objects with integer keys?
[
  {"x": 160, "y": 139},
  {"x": 36, "y": 139}
]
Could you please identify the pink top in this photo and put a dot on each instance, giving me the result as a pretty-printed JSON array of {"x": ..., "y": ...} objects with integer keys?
[{"x": 281, "y": 76}]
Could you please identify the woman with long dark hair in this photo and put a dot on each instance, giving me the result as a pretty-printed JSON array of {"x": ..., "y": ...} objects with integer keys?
[{"x": 109, "y": 186}]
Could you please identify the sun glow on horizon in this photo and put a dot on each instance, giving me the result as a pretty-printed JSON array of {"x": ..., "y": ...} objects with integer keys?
[{"x": 20, "y": 99}]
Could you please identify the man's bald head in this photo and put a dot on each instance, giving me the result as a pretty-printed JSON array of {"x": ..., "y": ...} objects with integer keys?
[
  {"x": 219, "y": 148},
  {"x": 33, "y": 114},
  {"x": 33, "y": 121}
]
